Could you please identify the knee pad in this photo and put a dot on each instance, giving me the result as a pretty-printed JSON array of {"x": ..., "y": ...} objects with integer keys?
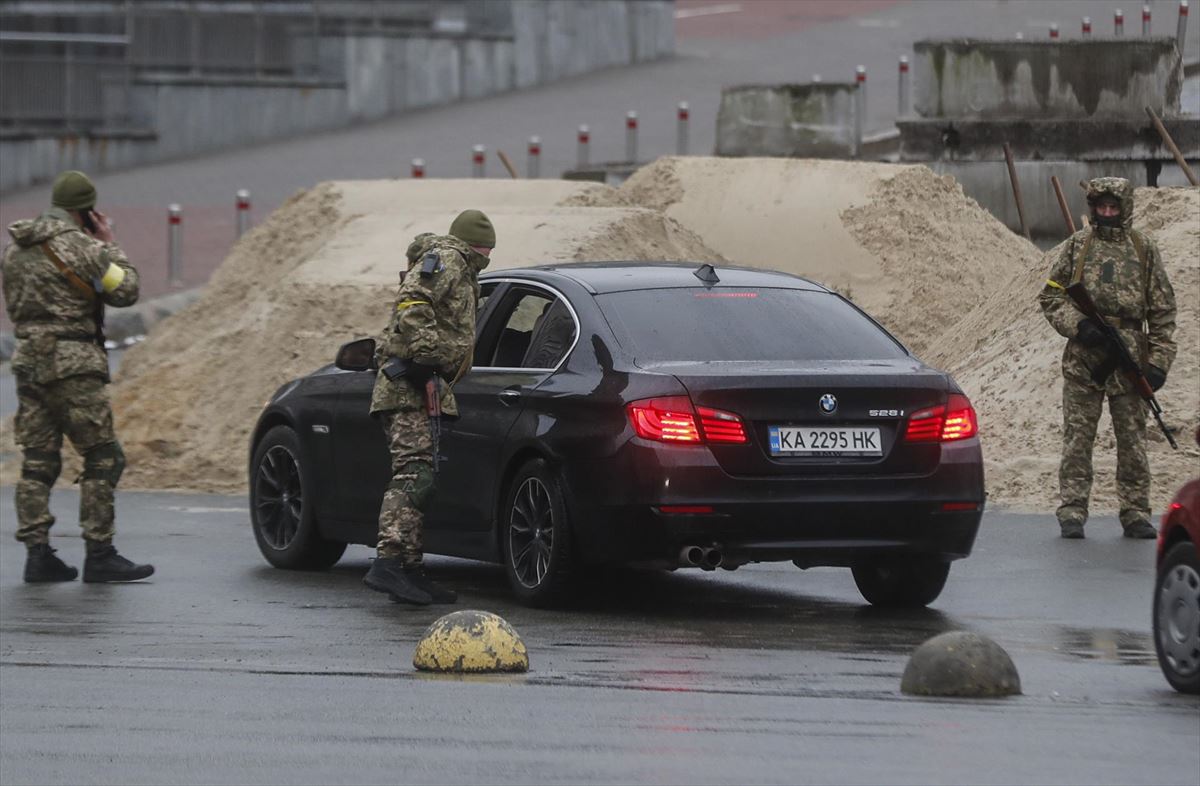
[
  {"x": 41, "y": 466},
  {"x": 416, "y": 482},
  {"x": 104, "y": 462}
]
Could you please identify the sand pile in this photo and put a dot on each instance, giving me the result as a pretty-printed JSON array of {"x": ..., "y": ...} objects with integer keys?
[
  {"x": 1007, "y": 357},
  {"x": 320, "y": 271}
]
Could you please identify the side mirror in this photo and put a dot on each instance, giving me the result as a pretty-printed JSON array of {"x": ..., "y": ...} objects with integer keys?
[{"x": 356, "y": 355}]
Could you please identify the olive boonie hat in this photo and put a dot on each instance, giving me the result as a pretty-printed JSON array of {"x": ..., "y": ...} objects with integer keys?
[
  {"x": 474, "y": 228},
  {"x": 73, "y": 191}
]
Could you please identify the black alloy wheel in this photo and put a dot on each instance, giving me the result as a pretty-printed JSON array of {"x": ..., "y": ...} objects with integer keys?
[
  {"x": 536, "y": 537},
  {"x": 281, "y": 511},
  {"x": 901, "y": 582},
  {"x": 1177, "y": 618}
]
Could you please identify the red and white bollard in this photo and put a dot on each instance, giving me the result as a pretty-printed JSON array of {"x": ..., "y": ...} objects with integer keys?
[
  {"x": 1145, "y": 20},
  {"x": 583, "y": 139},
  {"x": 243, "y": 211},
  {"x": 174, "y": 245},
  {"x": 903, "y": 100},
  {"x": 1118, "y": 22},
  {"x": 1181, "y": 27},
  {"x": 682, "y": 114},
  {"x": 631, "y": 136},
  {"x": 478, "y": 157},
  {"x": 1054, "y": 31},
  {"x": 533, "y": 163},
  {"x": 1086, "y": 30},
  {"x": 418, "y": 168},
  {"x": 860, "y": 106}
]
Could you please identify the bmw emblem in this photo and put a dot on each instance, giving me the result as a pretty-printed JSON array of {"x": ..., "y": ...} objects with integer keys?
[{"x": 828, "y": 403}]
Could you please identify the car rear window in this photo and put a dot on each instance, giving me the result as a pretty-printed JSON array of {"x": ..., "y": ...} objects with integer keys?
[{"x": 756, "y": 324}]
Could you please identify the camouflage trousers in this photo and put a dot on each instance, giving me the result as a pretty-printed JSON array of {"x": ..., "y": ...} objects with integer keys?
[
  {"x": 401, "y": 518},
  {"x": 77, "y": 407},
  {"x": 1082, "y": 403}
]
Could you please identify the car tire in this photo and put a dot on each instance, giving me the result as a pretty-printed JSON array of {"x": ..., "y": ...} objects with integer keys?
[
  {"x": 536, "y": 539},
  {"x": 901, "y": 583},
  {"x": 281, "y": 506},
  {"x": 1177, "y": 617}
]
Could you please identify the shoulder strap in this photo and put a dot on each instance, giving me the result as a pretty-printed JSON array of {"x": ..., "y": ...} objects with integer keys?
[
  {"x": 1139, "y": 248},
  {"x": 72, "y": 278},
  {"x": 1077, "y": 273}
]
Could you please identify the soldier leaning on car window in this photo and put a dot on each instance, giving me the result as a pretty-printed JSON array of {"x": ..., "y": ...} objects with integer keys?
[
  {"x": 1124, "y": 273},
  {"x": 431, "y": 333},
  {"x": 61, "y": 270}
]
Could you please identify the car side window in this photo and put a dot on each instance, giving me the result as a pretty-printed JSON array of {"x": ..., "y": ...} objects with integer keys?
[
  {"x": 485, "y": 292},
  {"x": 553, "y": 335},
  {"x": 519, "y": 325}
]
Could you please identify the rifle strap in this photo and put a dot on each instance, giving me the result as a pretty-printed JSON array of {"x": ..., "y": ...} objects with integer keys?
[
  {"x": 72, "y": 278},
  {"x": 1081, "y": 256},
  {"x": 1139, "y": 248}
]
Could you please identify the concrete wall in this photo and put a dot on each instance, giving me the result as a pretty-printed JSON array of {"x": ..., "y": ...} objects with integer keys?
[
  {"x": 814, "y": 120},
  {"x": 973, "y": 78},
  {"x": 376, "y": 76}
]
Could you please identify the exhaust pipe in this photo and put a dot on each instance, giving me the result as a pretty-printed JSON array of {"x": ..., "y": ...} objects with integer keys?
[
  {"x": 712, "y": 559},
  {"x": 691, "y": 556}
]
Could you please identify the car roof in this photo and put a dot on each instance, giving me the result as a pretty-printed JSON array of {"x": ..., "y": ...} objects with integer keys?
[{"x": 605, "y": 277}]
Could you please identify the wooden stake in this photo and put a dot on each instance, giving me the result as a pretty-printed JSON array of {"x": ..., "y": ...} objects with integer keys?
[
  {"x": 1062, "y": 204},
  {"x": 508, "y": 164},
  {"x": 1170, "y": 143},
  {"x": 1016, "y": 187}
]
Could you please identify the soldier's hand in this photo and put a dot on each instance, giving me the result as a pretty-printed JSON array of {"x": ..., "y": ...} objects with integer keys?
[
  {"x": 419, "y": 373},
  {"x": 1156, "y": 377},
  {"x": 104, "y": 230},
  {"x": 1089, "y": 334}
]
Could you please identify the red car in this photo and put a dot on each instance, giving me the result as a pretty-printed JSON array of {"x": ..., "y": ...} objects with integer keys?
[{"x": 1177, "y": 591}]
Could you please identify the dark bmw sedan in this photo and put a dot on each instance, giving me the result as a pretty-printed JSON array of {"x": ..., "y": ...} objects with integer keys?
[{"x": 662, "y": 414}]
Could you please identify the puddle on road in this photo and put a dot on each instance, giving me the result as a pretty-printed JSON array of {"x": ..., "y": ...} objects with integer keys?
[{"x": 1126, "y": 647}]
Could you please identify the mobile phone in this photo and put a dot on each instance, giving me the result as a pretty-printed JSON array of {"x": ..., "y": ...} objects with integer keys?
[{"x": 88, "y": 223}]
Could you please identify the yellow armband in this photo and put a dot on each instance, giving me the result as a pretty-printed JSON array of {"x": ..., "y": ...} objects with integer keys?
[
  {"x": 1054, "y": 284},
  {"x": 112, "y": 277},
  {"x": 403, "y": 304}
]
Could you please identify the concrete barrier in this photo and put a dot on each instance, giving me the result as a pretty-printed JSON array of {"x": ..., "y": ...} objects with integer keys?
[
  {"x": 376, "y": 75},
  {"x": 975, "y": 78},
  {"x": 814, "y": 120}
]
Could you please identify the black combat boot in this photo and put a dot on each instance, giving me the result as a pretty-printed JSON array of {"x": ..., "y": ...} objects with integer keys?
[
  {"x": 436, "y": 592},
  {"x": 41, "y": 566},
  {"x": 103, "y": 565},
  {"x": 387, "y": 574},
  {"x": 1141, "y": 530}
]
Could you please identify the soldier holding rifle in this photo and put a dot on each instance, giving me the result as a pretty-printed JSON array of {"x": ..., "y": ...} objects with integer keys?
[
  {"x": 1131, "y": 302},
  {"x": 430, "y": 337}
]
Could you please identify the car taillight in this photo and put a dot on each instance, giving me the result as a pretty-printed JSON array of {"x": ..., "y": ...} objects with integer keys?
[
  {"x": 674, "y": 419},
  {"x": 945, "y": 423}
]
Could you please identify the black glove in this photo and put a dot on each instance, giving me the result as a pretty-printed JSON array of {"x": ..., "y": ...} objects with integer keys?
[
  {"x": 1089, "y": 334},
  {"x": 1156, "y": 377}
]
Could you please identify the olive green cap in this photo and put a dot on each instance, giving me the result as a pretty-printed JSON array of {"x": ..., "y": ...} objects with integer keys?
[
  {"x": 474, "y": 228},
  {"x": 73, "y": 191}
]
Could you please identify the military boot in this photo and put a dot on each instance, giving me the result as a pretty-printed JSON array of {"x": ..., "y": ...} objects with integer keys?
[
  {"x": 1071, "y": 530},
  {"x": 387, "y": 574},
  {"x": 41, "y": 566},
  {"x": 1141, "y": 530},
  {"x": 436, "y": 592},
  {"x": 104, "y": 565}
]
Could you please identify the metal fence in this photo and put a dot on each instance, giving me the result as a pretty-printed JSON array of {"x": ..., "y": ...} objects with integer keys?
[{"x": 70, "y": 64}]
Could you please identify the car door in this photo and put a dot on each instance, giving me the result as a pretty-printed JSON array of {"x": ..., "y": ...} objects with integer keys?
[
  {"x": 362, "y": 462},
  {"x": 515, "y": 352}
]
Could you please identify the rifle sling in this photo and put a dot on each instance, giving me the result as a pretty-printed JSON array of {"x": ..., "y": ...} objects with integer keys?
[{"x": 72, "y": 277}]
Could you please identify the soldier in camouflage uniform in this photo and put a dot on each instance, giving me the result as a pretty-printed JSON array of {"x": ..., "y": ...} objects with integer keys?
[
  {"x": 431, "y": 333},
  {"x": 1124, "y": 273},
  {"x": 57, "y": 277}
]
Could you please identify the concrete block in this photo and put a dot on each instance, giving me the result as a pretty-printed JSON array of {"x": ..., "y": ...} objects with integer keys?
[
  {"x": 432, "y": 71},
  {"x": 811, "y": 120},
  {"x": 529, "y": 53},
  {"x": 477, "y": 69},
  {"x": 975, "y": 78},
  {"x": 652, "y": 30},
  {"x": 368, "y": 73}
]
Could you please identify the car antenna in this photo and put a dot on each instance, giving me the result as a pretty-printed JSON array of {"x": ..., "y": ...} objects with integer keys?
[{"x": 707, "y": 273}]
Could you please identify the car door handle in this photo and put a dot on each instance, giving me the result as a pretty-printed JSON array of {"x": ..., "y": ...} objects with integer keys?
[{"x": 509, "y": 396}]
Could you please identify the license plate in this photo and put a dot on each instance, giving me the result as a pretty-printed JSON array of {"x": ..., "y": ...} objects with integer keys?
[{"x": 817, "y": 441}]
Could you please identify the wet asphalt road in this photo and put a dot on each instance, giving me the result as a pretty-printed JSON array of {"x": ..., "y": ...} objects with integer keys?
[{"x": 223, "y": 670}]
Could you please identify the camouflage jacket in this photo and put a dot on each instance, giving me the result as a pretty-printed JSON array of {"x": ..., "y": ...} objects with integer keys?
[
  {"x": 432, "y": 322},
  {"x": 1136, "y": 299},
  {"x": 54, "y": 321}
]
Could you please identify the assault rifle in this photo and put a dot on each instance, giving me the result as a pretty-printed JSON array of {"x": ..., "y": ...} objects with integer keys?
[
  {"x": 1119, "y": 356},
  {"x": 394, "y": 369}
]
